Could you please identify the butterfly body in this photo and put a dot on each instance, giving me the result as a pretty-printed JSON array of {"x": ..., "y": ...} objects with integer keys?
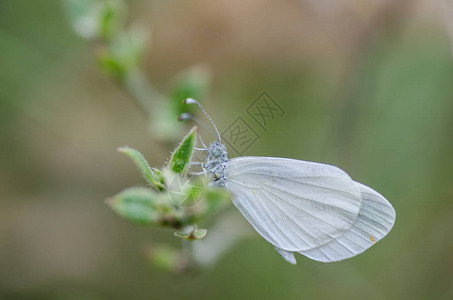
[{"x": 216, "y": 163}]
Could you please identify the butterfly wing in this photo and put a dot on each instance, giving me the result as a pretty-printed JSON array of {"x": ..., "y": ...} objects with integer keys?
[
  {"x": 376, "y": 219},
  {"x": 295, "y": 205}
]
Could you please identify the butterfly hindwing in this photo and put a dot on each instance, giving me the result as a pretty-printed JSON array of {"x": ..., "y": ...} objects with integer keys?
[
  {"x": 376, "y": 219},
  {"x": 295, "y": 205}
]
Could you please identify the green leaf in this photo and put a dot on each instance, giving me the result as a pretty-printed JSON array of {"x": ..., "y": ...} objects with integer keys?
[
  {"x": 138, "y": 205},
  {"x": 159, "y": 176},
  {"x": 183, "y": 191},
  {"x": 110, "y": 65},
  {"x": 199, "y": 233},
  {"x": 194, "y": 234},
  {"x": 84, "y": 16},
  {"x": 180, "y": 160},
  {"x": 111, "y": 18},
  {"x": 93, "y": 19},
  {"x": 124, "y": 53},
  {"x": 153, "y": 178}
]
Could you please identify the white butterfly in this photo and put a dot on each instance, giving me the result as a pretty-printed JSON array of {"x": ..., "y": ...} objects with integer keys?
[{"x": 314, "y": 209}]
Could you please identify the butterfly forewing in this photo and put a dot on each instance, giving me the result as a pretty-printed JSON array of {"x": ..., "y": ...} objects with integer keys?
[{"x": 295, "y": 205}]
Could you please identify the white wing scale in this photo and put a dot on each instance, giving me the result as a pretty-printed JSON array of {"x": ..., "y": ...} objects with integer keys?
[{"x": 310, "y": 208}]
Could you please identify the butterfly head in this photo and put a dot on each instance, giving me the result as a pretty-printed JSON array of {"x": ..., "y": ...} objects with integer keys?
[{"x": 217, "y": 150}]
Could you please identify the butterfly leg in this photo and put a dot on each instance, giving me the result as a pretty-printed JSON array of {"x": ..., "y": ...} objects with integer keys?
[
  {"x": 198, "y": 173},
  {"x": 202, "y": 143}
]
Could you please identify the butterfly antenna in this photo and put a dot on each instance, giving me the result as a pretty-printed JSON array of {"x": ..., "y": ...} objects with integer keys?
[
  {"x": 193, "y": 101},
  {"x": 187, "y": 116}
]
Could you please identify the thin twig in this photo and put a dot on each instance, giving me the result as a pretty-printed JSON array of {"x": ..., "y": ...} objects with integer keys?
[{"x": 142, "y": 91}]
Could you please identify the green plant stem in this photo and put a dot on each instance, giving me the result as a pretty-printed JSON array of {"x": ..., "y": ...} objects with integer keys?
[
  {"x": 142, "y": 92},
  {"x": 187, "y": 254}
]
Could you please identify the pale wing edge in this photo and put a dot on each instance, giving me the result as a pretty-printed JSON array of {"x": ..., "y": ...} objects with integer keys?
[{"x": 376, "y": 219}]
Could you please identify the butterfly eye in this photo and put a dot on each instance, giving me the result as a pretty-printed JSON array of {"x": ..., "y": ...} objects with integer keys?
[{"x": 217, "y": 151}]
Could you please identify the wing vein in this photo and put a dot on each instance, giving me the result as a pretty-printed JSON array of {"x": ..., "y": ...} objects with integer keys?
[
  {"x": 305, "y": 183},
  {"x": 307, "y": 199},
  {"x": 306, "y": 212},
  {"x": 289, "y": 217},
  {"x": 273, "y": 221},
  {"x": 314, "y": 201}
]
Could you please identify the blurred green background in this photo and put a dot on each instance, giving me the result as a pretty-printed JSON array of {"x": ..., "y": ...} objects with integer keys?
[{"x": 366, "y": 85}]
